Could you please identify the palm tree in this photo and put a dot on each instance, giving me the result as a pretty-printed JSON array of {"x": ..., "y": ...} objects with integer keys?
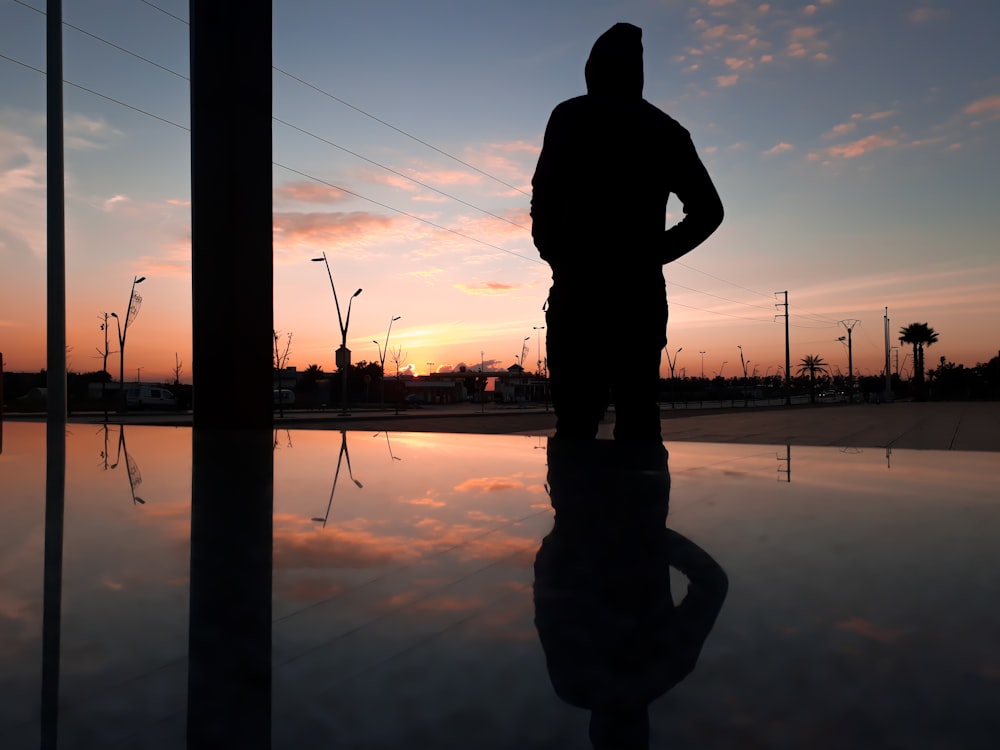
[
  {"x": 919, "y": 335},
  {"x": 812, "y": 363}
]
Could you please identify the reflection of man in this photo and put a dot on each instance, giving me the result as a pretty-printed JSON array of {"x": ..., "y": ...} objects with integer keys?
[
  {"x": 608, "y": 163},
  {"x": 614, "y": 640}
]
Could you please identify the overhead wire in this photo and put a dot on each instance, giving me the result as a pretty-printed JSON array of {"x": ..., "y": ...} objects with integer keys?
[{"x": 314, "y": 87}]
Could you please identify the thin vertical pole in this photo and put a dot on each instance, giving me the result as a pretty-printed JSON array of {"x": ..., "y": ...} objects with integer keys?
[{"x": 55, "y": 434}]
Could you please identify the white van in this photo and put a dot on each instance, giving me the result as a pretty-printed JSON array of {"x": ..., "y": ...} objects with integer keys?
[{"x": 149, "y": 397}]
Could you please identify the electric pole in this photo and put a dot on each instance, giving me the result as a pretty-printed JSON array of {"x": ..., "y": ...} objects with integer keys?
[
  {"x": 849, "y": 325},
  {"x": 788, "y": 363}
]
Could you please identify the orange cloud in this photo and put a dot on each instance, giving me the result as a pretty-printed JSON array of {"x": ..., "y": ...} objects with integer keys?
[
  {"x": 487, "y": 287},
  {"x": 869, "y": 630},
  {"x": 842, "y": 129},
  {"x": 325, "y": 227},
  {"x": 429, "y": 502},
  {"x": 726, "y": 81},
  {"x": 308, "y": 192},
  {"x": 331, "y": 548},
  {"x": 986, "y": 104},
  {"x": 922, "y": 15},
  {"x": 781, "y": 148},
  {"x": 885, "y": 139}
]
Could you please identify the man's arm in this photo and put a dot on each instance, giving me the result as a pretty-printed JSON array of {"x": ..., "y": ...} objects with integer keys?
[{"x": 702, "y": 206}]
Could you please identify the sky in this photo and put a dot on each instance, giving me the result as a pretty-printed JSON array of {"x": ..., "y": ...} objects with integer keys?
[{"x": 854, "y": 145}]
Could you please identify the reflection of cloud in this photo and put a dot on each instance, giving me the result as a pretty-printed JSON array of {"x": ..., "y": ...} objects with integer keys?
[
  {"x": 923, "y": 15},
  {"x": 489, "y": 484},
  {"x": 429, "y": 502},
  {"x": 332, "y": 548},
  {"x": 869, "y": 630}
]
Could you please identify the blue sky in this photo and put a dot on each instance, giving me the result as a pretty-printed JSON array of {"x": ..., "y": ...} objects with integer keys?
[{"x": 853, "y": 144}]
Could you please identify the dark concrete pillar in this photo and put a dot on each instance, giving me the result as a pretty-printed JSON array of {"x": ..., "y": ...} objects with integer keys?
[{"x": 229, "y": 674}]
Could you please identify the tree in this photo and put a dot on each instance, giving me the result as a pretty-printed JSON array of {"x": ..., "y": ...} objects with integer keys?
[
  {"x": 812, "y": 363},
  {"x": 918, "y": 335},
  {"x": 398, "y": 357}
]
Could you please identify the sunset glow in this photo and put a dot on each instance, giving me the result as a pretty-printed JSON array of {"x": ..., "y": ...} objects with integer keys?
[{"x": 853, "y": 145}]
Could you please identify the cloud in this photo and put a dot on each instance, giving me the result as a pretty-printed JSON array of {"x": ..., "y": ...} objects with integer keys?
[
  {"x": 923, "y": 15},
  {"x": 308, "y": 192},
  {"x": 869, "y": 630},
  {"x": 781, "y": 148},
  {"x": 486, "y": 485},
  {"x": 726, "y": 81},
  {"x": 986, "y": 104},
  {"x": 115, "y": 200},
  {"x": 487, "y": 288},
  {"x": 804, "y": 41},
  {"x": 842, "y": 129},
  {"x": 852, "y": 149},
  {"x": 326, "y": 228},
  {"x": 82, "y": 133}
]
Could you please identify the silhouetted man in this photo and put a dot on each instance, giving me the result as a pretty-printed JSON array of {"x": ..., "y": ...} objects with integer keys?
[{"x": 609, "y": 161}]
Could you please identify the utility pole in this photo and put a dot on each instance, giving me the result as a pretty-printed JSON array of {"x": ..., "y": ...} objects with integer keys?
[
  {"x": 849, "y": 325},
  {"x": 788, "y": 362},
  {"x": 887, "y": 396}
]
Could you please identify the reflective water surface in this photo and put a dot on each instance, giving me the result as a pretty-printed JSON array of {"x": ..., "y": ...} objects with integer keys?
[{"x": 421, "y": 596}]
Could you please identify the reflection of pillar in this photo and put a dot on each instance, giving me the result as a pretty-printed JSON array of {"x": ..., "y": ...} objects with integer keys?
[{"x": 229, "y": 669}]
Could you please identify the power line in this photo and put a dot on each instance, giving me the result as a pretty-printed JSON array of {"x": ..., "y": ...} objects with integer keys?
[
  {"x": 102, "y": 96},
  {"x": 709, "y": 294},
  {"x": 400, "y": 174},
  {"x": 166, "y": 12},
  {"x": 717, "y": 312},
  {"x": 407, "y": 214},
  {"x": 719, "y": 278},
  {"x": 398, "y": 130},
  {"x": 109, "y": 43}
]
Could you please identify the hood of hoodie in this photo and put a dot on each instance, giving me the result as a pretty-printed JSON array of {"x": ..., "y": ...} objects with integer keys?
[{"x": 614, "y": 67}]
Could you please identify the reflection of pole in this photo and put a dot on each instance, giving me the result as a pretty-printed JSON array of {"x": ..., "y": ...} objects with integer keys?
[{"x": 336, "y": 475}]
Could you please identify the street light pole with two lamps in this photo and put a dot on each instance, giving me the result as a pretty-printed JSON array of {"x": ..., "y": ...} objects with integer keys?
[
  {"x": 381, "y": 358},
  {"x": 343, "y": 357},
  {"x": 134, "y": 303}
]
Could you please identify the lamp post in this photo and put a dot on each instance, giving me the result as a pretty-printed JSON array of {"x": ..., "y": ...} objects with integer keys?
[
  {"x": 343, "y": 353},
  {"x": 134, "y": 302},
  {"x": 381, "y": 359},
  {"x": 538, "y": 343},
  {"x": 524, "y": 345},
  {"x": 702, "y": 364},
  {"x": 673, "y": 362},
  {"x": 742, "y": 361}
]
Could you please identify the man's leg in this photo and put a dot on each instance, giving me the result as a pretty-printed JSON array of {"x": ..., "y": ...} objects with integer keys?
[{"x": 579, "y": 393}]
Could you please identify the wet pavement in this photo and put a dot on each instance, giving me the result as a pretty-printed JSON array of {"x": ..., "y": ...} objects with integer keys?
[{"x": 419, "y": 593}]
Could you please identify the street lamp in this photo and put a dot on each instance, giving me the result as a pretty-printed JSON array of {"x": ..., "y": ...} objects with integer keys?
[
  {"x": 343, "y": 353},
  {"x": 742, "y": 361},
  {"x": 673, "y": 362},
  {"x": 524, "y": 345},
  {"x": 134, "y": 303},
  {"x": 381, "y": 358},
  {"x": 538, "y": 372},
  {"x": 702, "y": 364}
]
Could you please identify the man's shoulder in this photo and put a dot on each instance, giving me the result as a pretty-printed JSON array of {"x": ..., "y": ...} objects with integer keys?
[{"x": 663, "y": 120}]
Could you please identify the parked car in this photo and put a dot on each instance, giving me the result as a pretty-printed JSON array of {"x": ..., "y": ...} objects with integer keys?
[{"x": 149, "y": 397}]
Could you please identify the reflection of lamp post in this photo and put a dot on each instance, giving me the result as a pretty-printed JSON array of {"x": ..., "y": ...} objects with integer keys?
[
  {"x": 381, "y": 359},
  {"x": 343, "y": 353},
  {"x": 134, "y": 302},
  {"x": 336, "y": 475}
]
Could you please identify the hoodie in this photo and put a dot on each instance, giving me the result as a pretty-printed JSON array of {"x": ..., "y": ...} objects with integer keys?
[{"x": 608, "y": 164}]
